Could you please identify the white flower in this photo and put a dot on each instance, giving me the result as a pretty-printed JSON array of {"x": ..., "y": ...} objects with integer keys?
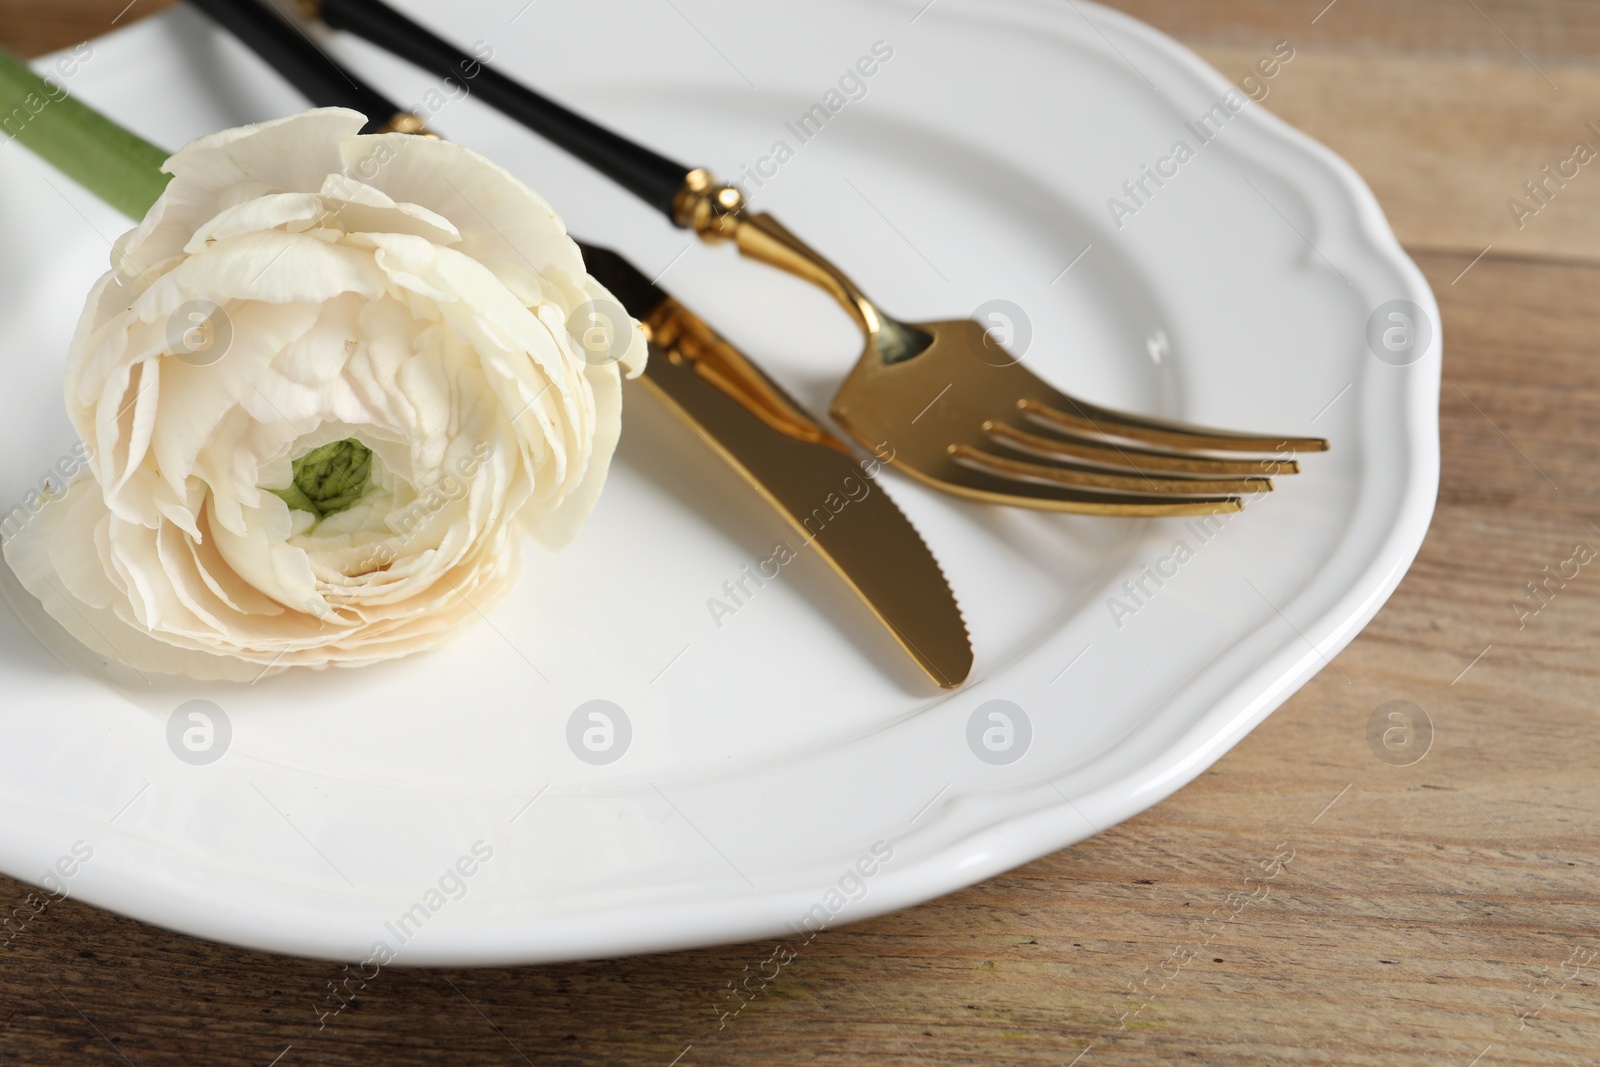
[{"x": 327, "y": 389}]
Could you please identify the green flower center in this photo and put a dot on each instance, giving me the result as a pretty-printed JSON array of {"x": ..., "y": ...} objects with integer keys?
[{"x": 329, "y": 479}]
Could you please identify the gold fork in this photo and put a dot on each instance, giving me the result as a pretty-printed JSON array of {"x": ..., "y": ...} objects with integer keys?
[
  {"x": 939, "y": 400},
  {"x": 956, "y": 412}
]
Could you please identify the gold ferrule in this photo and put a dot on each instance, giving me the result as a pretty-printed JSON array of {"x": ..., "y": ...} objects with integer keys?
[
  {"x": 708, "y": 208},
  {"x": 311, "y": 9},
  {"x": 406, "y": 122}
]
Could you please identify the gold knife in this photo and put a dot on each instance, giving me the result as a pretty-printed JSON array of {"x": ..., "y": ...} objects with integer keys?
[
  {"x": 811, "y": 477},
  {"x": 807, "y": 474}
]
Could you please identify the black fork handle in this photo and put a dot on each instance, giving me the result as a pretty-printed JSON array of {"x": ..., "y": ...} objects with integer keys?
[
  {"x": 651, "y": 177},
  {"x": 302, "y": 63}
]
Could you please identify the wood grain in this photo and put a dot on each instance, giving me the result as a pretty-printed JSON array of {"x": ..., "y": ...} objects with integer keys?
[{"x": 1425, "y": 908}]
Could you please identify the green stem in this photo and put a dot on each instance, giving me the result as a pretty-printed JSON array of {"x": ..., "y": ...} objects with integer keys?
[{"x": 110, "y": 161}]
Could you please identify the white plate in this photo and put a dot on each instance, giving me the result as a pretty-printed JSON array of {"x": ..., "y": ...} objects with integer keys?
[{"x": 771, "y": 755}]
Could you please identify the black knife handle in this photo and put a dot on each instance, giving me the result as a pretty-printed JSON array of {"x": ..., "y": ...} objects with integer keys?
[
  {"x": 653, "y": 178},
  {"x": 286, "y": 48},
  {"x": 326, "y": 84}
]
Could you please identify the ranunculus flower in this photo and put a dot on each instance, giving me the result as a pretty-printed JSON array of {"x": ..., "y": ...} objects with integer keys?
[{"x": 330, "y": 384}]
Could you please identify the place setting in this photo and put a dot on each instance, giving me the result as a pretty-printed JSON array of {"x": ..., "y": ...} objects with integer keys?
[{"x": 478, "y": 531}]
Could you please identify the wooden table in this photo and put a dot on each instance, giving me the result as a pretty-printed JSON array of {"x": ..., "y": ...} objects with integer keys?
[{"x": 1440, "y": 913}]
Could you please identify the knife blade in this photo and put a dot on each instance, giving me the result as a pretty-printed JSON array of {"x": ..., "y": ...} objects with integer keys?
[{"x": 806, "y": 473}]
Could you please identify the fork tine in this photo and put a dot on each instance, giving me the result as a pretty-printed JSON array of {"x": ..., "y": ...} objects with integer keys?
[
  {"x": 1068, "y": 413},
  {"x": 1078, "y": 474},
  {"x": 1062, "y": 444},
  {"x": 991, "y": 488}
]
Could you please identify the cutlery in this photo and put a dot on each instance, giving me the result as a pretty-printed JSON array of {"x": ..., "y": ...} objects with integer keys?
[
  {"x": 809, "y": 476},
  {"x": 952, "y": 407}
]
